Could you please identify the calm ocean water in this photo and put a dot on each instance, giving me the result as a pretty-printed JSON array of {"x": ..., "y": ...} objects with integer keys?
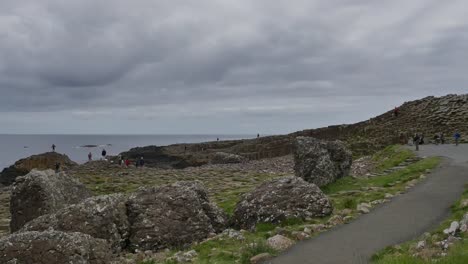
[{"x": 14, "y": 147}]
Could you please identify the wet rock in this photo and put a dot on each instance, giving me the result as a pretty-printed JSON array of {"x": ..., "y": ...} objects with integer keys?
[
  {"x": 279, "y": 242},
  {"x": 102, "y": 217},
  {"x": 53, "y": 247},
  {"x": 43, "y": 192},
  {"x": 40, "y": 162},
  {"x": 172, "y": 216},
  {"x": 226, "y": 158},
  {"x": 321, "y": 162},
  {"x": 278, "y": 200}
]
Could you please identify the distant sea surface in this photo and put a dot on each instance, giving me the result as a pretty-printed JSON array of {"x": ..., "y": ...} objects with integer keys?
[{"x": 15, "y": 147}]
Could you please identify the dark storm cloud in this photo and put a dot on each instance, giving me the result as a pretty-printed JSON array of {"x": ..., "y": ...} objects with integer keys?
[{"x": 205, "y": 59}]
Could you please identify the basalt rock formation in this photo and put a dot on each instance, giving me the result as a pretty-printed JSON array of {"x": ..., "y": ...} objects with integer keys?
[
  {"x": 43, "y": 192},
  {"x": 103, "y": 217},
  {"x": 321, "y": 162},
  {"x": 53, "y": 247},
  {"x": 172, "y": 216},
  {"x": 40, "y": 162},
  {"x": 429, "y": 115},
  {"x": 279, "y": 200}
]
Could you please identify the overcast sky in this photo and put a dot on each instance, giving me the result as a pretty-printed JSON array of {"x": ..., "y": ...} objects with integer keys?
[{"x": 222, "y": 66}]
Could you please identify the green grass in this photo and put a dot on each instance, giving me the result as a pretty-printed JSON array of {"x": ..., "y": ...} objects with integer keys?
[{"x": 391, "y": 156}]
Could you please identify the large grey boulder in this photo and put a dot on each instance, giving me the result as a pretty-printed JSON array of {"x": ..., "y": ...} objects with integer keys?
[
  {"x": 172, "y": 216},
  {"x": 321, "y": 162},
  {"x": 281, "y": 199},
  {"x": 53, "y": 247},
  {"x": 226, "y": 158},
  {"x": 43, "y": 192},
  {"x": 102, "y": 217}
]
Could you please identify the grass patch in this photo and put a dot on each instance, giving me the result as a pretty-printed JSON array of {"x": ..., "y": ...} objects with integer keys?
[{"x": 391, "y": 156}]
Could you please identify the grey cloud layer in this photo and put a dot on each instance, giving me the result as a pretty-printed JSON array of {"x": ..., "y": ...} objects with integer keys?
[{"x": 250, "y": 57}]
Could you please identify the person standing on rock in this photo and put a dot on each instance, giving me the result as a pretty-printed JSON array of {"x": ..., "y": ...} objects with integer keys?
[
  {"x": 104, "y": 153},
  {"x": 396, "y": 111},
  {"x": 416, "y": 141},
  {"x": 57, "y": 167},
  {"x": 142, "y": 162},
  {"x": 457, "y": 137},
  {"x": 53, "y": 147},
  {"x": 90, "y": 156}
]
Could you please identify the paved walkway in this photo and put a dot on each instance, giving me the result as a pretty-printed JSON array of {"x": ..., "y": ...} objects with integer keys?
[{"x": 406, "y": 217}]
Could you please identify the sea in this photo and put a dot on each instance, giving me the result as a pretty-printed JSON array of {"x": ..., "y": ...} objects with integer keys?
[{"x": 15, "y": 147}]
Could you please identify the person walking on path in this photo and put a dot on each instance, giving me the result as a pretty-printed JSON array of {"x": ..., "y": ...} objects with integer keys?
[
  {"x": 57, "y": 167},
  {"x": 104, "y": 153},
  {"x": 90, "y": 156},
  {"x": 53, "y": 147},
  {"x": 416, "y": 141},
  {"x": 457, "y": 137},
  {"x": 442, "y": 138}
]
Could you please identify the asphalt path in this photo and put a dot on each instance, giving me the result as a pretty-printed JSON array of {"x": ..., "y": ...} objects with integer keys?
[{"x": 406, "y": 217}]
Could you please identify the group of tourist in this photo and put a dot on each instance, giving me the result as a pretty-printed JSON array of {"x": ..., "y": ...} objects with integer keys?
[{"x": 439, "y": 138}]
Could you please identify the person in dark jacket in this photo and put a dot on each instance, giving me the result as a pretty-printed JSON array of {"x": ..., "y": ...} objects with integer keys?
[
  {"x": 104, "y": 153},
  {"x": 457, "y": 137},
  {"x": 53, "y": 147},
  {"x": 142, "y": 162},
  {"x": 416, "y": 141}
]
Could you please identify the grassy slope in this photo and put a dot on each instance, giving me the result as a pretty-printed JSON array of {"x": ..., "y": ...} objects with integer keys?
[
  {"x": 403, "y": 254},
  {"x": 228, "y": 250}
]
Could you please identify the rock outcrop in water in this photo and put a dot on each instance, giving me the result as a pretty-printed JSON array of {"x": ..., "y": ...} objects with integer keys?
[
  {"x": 43, "y": 192},
  {"x": 40, "y": 162},
  {"x": 279, "y": 200},
  {"x": 172, "y": 216},
  {"x": 321, "y": 162},
  {"x": 53, "y": 247},
  {"x": 103, "y": 217}
]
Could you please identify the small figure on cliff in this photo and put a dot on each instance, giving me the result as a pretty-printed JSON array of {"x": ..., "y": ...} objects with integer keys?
[
  {"x": 90, "y": 156},
  {"x": 457, "y": 137},
  {"x": 53, "y": 147},
  {"x": 104, "y": 153},
  {"x": 217, "y": 139},
  {"x": 258, "y": 135},
  {"x": 416, "y": 141},
  {"x": 396, "y": 111},
  {"x": 142, "y": 162},
  {"x": 120, "y": 160},
  {"x": 57, "y": 167},
  {"x": 127, "y": 163}
]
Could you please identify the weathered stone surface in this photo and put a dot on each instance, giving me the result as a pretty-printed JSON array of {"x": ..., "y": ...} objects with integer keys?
[
  {"x": 321, "y": 162},
  {"x": 364, "y": 208},
  {"x": 102, "y": 217},
  {"x": 226, "y": 158},
  {"x": 172, "y": 216},
  {"x": 260, "y": 258},
  {"x": 281, "y": 199},
  {"x": 40, "y": 162},
  {"x": 43, "y": 192},
  {"x": 279, "y": 242},
  {"x": 53, "y": 247}
]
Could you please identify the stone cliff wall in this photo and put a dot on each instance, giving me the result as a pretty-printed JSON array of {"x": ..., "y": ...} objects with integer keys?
[{"x": 429, "y": 115}]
